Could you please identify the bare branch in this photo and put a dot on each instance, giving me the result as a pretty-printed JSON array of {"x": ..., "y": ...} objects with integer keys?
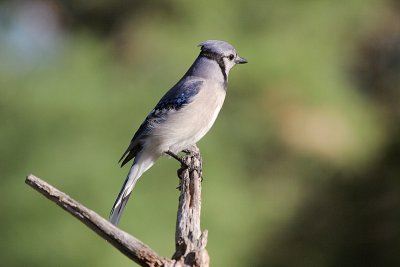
[
  {"x": 190, "y": 241},
  {"x": 127, "y": 244}
]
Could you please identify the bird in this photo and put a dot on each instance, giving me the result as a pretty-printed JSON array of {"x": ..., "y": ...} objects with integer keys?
[{"x": 182, "y": 117}]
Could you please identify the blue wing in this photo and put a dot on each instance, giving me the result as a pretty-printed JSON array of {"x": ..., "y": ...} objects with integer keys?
[{"x": 176, "y": 98}]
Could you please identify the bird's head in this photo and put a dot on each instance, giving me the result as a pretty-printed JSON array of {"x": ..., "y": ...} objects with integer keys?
[{"x": 222, "y": 52}]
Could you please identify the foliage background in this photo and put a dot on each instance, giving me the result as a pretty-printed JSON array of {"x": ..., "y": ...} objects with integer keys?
[{"x": 301, "y": 168}]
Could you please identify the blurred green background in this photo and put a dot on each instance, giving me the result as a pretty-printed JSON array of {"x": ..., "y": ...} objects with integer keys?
[{"x": 301, "y": 169}]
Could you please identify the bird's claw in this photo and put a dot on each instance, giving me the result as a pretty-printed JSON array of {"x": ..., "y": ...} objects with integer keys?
[
  {"x": 175, "y": 156},
  {"x": 185, "y": 165}
]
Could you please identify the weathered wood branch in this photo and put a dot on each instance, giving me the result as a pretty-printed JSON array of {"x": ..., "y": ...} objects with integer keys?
[
  {"x": 190, "y": 241},
  {"x": 127, "y": 244}
]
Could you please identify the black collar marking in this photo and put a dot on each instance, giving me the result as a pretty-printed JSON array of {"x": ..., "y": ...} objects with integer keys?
[{"x": 219, "y": 60}]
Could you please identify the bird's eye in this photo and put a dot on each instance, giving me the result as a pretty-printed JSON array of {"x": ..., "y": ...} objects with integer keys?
[{"x": 231, "y": 57}]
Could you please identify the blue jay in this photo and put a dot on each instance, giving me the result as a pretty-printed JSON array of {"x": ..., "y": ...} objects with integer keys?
[{"x": 182, "y": 116}]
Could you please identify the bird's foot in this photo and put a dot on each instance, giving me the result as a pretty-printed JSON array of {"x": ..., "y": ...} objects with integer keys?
[
  {"x": 180, "y": 159},
  {"x": 185, "y": 165},
  {"x": 191, "y": 150}
]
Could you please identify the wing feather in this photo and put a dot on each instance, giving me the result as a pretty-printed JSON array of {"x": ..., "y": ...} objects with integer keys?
[{"x": 177, "y": 97}]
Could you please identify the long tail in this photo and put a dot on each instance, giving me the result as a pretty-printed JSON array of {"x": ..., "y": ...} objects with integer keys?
[{"x": 139, "y": 166}]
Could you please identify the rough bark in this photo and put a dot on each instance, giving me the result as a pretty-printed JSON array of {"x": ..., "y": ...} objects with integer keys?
[{"x": 190, "y": 241}]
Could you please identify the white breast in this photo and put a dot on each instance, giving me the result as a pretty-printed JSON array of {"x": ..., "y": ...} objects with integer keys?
[{"x": 188, "y": 125}]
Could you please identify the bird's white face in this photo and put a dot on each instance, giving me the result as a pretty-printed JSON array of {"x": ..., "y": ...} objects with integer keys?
[
  {"x": 229, "y": 61},
  {"x": 223, "y": 54}
]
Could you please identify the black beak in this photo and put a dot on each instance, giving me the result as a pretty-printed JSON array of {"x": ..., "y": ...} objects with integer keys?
[{"x": 240, "y": 60}]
